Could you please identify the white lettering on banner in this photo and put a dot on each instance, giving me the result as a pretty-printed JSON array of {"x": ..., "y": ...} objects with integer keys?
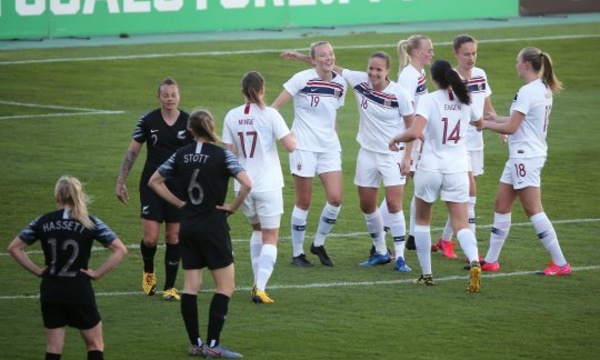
[
  {"x": 25, "y": 9},
  {"x": 136, "y": 6},
  {"x": 72, "y": 7},
  {"x": 89, "y": 6},
  {"x": 59, "y": 8},
  {"x": 168, "y": 5},
  {"x": 234, "y": 4}
]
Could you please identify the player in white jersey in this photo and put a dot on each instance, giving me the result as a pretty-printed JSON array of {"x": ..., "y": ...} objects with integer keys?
[
  {"x": 384, "y": 109},
  {"x": 527, "y": 127},
  {"x": 414, "y": 54},
  {"x": 443, "y": 117},
  {"x": 251, "y": 131},
  {"x": 465, "y": 52},
  {"x": 317, "y": 94}
]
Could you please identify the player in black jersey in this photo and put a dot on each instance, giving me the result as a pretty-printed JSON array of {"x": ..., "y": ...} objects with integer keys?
[
  {"x": 66, "y": 293},
  {"x": 164, "y": 131},
  {"x": 204, "y": 168}
]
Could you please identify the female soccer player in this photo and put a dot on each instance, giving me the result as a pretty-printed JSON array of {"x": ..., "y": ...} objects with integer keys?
[
  {"x": 164, "y": 131},
  {"x": 442, "y": 117},
  {"x": 252, "y": 131},
  {"x": 465, "y": 52},
  {"x": 414, "y": 54},
  {"x": 385, "y": 108},
  {"x": 527, "y": 127},
  {"x": 66, "y": 293},
  {"x": 205, "y": 170},
  {"x": 317, "y": 93}
]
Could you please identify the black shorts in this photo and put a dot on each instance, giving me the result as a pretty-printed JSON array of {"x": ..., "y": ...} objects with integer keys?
[
  {"x": 155, "y": 208},
  {"x": 79, "y": 316},
  {"x": 200, "y": 249}
]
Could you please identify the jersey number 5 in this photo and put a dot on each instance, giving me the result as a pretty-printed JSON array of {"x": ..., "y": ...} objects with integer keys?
[
  {"x": 254, "y": 136},
  {"x": 454, "y": 134}
]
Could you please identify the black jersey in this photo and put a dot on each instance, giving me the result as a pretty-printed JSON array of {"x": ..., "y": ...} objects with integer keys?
[
  {"x": 67, "y": 245},
  {"x": 204, "y": 170},
  {"x": 161, "y": 140}
]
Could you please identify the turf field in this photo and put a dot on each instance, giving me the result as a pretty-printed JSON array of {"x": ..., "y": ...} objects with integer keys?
[{"x": 73, "y": 110}]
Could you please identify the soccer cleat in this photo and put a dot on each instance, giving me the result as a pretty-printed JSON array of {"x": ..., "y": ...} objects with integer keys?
[
  {"x": 149, "y": 283},
  {"x": 220, "y": 351},
  {"x": 448, "y": 248},
  {"x": 401, "y": 265},
  {"x": 555, "y": 270},
  {"x": 410, "y": 243},
  {"x": 171, "y": 294},
  {"x": 253, "y": 291},
  {"x": 474, "y": 277},
  {"x": 377, "y": 259},
  {"x": 261, "y": 297},
  {"x": 322, "y": 254},
  {"x": 301, "y": 261},
  {"x": 196, "y": 350},
  {"x": 486, "y": 266},
  {"x": 425, "y": 279}
]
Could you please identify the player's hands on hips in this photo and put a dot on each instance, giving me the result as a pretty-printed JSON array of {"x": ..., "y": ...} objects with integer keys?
[{"x": 229, "y": 210}]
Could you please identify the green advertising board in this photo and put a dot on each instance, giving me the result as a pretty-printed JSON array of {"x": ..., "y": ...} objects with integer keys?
[{"x": 62, "y": 18}]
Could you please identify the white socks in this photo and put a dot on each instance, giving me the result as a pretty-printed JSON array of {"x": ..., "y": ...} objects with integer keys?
[
  {"x": 468, "y": 244},
  {"x": 328, "y": 218},
  {"x": 423, "y": 243},
  {"x": 547, "y": 235},
  {"x": 298, "y": 230},
  {"x": 255, "y": 247},
  {"x": 266, "y": 264},
  {"x": 500, "y": 229},
  {"x": 472, "y": 218},
  {"x": 375, "y": 228},
  {"x": 398, "y": 230}
]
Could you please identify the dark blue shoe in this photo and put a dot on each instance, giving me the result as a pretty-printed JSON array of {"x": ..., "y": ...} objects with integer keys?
[
  {"x": 377, "y": 259},
  {"x": 401, "y": 265}
]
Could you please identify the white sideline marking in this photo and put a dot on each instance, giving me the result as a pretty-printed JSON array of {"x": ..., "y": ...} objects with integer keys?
[
  {"x": 81, "y": 111},
  {"x": 341, "y": 235},
  {"x": 321, "y": 285},
  {"x": 264, "y": 51}
]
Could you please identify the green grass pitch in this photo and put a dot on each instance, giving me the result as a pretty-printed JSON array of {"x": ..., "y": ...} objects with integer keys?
[{"x": 320, "y": 313}]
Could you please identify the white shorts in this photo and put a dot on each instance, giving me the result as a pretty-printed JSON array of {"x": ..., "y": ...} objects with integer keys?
[
  {"x": 309, "y": 163},
  {"x": 476, "y": 162},
  {"x": 452, "y": 187},
  {"x": 264, "y": 208},
  {"x": 415, "y": 155},
  {"x": 522, "y": 173},
  {"x": 372, "y": 167}
]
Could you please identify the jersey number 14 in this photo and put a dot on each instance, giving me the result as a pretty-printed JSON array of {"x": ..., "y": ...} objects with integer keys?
[{"x": 454, "y": 134}]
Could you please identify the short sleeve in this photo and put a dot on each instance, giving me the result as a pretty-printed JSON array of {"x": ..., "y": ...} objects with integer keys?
[
  {"x": 232, "y": 164},
  {"x": 103, "y": 233},
  {"x": 424, "y": 107},
  {"x": 280, "y": 128},
  {"x": 169, "y": 167},
  {"x": 139, "y": 133},
  {"x": 227, "y": 137},
  {"x": 30, "y": 234},
  {"x": 405, "y": 103},
  {"x": 354, "y": 77},
  {"x": 294, "y": 84},
  {"x": 522, "y": 102}
]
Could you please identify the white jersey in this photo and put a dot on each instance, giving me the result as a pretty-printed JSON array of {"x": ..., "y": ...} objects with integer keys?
[
  {"x": 380, "y": 112},
  {"x": 479, "y": 89},
  {"x": 534, "y": 100},
  {"x": 414, "y": 82},
  {"x": 316, "y": 103},
  {"x": 255, "y": 132},
  {"x": 444, "y": 147}
]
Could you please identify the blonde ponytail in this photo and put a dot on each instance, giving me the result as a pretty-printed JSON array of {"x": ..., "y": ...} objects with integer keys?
[
  {"x": 69, "y": 191},
  {"x": 406, "y": 47}
]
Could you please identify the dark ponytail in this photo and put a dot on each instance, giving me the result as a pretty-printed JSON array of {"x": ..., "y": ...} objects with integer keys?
[
  {"x": 252, "y": 85},
  {"x": 443, "y": 73}
]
